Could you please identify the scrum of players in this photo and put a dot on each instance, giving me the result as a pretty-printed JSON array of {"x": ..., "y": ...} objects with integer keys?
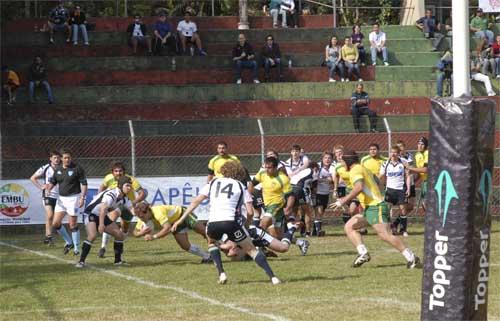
[{"x": 249, "y": 218}]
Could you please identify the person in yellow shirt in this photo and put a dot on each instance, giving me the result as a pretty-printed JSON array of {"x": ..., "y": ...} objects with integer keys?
[
  {"x": 278, "y": 202},
  {"x": 111, "y": 181},
  {"x": 373, "y": 161},
  {"x": 163, "y": 217},
  {"x": 216, "y": 162},
  {"x": 350, "y": 56},
  {"x": 421, "y": 161},
  {"x": 375, "y": 213},
  {"x": 10, "y": 81}
]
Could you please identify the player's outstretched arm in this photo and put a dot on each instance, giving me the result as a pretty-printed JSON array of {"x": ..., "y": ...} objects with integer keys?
[{"x": 194, "y": 204}]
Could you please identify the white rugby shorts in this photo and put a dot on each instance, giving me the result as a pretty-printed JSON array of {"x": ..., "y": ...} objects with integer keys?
[{"x": 68, "y": 204}]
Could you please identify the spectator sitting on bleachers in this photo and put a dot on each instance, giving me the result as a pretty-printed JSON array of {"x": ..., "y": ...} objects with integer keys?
[
  {"x": 357, "y": 39},
  {"x": 475, "y": 74},
  {"x": 138, "y": 34},
  {"x": 188, "y": 32},
  {"x": 333, "y": 59},
  {"x": 448, "y": 27},
  {"x": 431, "y": 27},
  {"x": 350, "y": 56},
  {"x": 377, "y": 45},
  {"x": 58, "y": 20},
  {"x": 163, "y": 35},
  {"x": 38, "y": 76},
  {"x": 78, "y": 21},
  {"x": 271, "y": 57},
  {"x": 10, "y": 83},
  {"x": 275, "y": 9},
  {"x": 244, "y": 57},
  {"x": 479, "y": 25},
  {"x": 485, "y": 58},
  {"x": 495, "y": 54}
]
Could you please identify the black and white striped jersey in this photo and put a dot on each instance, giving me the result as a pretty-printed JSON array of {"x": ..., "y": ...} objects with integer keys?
[
  {"x": 46, "y": 172},
  {"x": 110, "y": 198}
]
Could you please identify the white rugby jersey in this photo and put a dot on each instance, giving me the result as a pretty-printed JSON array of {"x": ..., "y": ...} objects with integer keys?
[
  {"x": 324, "y": 186},
  {"x": 227, "y": 196},
  {"x": 304, "y": 178},
  {"x": 408, "y": 158},
  {"x": 292, "y": 166},
  {"x": 46, "y": 172},
  {"x": 108, "y": 197},
  {"x": 395, "y": 174}
]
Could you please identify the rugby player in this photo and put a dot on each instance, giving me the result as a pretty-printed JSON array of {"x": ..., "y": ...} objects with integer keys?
[
  {"x": 325, "y": 183},
  {"x": 373, "y": 161},
  {"x": 49, "y": 198},
  {"x": 165, "y": 218},
  {"x": 72, "y": 182},
  {"x": 111, "y": 181},
  {"x": 218, "y": 160},
  {"x": 421, "y": 160},
  {"x": 227, "y": 195},
  {"x": 101, "y": 215},
  {"x": 375, "y": 213},
  {"x": 397, "y": 191}
]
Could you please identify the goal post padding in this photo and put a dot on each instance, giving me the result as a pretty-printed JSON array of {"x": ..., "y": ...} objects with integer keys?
[{"x": 457, "y": 219}]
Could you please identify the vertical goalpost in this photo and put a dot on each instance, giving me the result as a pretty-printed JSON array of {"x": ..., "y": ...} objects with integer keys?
[{"x": 459, "y": 188}]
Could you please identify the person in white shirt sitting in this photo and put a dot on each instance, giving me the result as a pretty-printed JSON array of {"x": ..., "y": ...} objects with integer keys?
[
  {"x": 188, "y": 32},
  {"x": 377, "y": 45}
]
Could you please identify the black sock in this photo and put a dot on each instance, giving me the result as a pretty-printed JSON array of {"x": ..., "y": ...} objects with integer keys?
[
  {"x": 215, "y": 255},
  {"x": 261, "y": 261},
  {"x": 288, "y": 236},
  {"x": 317, "y": 225},
  {"x": 303, "y": 228},
  {"x": 118, "y": 247},
  {"x": 404, "y": 223},
  {"x": 346, "y": 217},
  {"x": 256, "y": 221},
  {"x": 396, "y": 222},
  {"x": 87, "y": 245}
]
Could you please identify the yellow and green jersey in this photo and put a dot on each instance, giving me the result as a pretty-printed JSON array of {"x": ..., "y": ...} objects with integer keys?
[
  {"x": 373, "y": 164},
  {"x": 217, "y": 161},
  {"x": 421, "y": 160},
  {"x": 110, "y": 182},
  {"x": 162, "y": 214},
  {"x": 370, "y": 195},
  {"x": 274, "y": 188},
  {"x": 342, "y": 172}
]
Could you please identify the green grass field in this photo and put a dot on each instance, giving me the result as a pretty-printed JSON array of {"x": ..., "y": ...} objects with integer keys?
[{"x": 165, "y": 283}]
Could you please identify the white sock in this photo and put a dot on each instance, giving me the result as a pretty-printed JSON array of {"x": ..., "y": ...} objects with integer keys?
[
  {"x": 408, "y": 254},
  {"x": 195, "y": 249},
  {"x": 362, "y": 250},
  {"x": 105, "y": 239},
  {"x": 299, "y": 242}
]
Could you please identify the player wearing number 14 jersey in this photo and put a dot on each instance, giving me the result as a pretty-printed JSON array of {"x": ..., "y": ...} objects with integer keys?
[{"x": 227, "y": 195}]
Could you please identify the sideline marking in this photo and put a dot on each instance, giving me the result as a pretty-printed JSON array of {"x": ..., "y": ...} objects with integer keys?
[{"x": 191, "y": 294}]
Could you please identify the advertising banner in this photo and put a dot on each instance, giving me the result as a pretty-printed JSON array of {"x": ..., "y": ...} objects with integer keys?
[
  {"x": 21, "y": 201},
  {"x": 490, "y": 5}
]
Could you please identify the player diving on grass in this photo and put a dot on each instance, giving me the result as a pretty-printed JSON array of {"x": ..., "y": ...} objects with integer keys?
[
  {"x": 101, "y": 215},
  {"x": 227, "y": 195},
  {"x": 375, "y": 213},
  {"x": 165, "y": 217}
]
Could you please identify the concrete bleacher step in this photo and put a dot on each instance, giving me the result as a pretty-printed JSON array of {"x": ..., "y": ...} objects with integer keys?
[
  {"x": 210, "y": 110},
  {"x": 234, "y": 92}
]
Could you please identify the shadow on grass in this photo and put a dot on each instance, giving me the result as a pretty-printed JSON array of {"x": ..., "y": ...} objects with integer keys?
[
  {"x": 334, "y": 253},
  {"x": 304, "y": 279},
  {"x": 381, "y": 266},
  {"x": 52, "y": 313}
]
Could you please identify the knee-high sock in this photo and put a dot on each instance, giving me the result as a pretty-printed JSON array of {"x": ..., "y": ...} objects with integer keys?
[
  {"x": 75, "y": 235},
  {"x": 87, "y": 245},
  {"x": 196, "y": 250},
  {"x": 216, "y": 257},
  {"x": 288, "y": 236},
  {"x": 404, "y": 223},
  {"x": 105, "y": 239},
  {"x": 118, "y": 247},
  {"x": 261, "y": 261},
  {"x": 62, "y": 231},
  {"x": 317, "y": 225}
]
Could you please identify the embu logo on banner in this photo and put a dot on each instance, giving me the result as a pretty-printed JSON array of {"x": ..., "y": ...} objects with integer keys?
[{"x": 14, "y": 200}]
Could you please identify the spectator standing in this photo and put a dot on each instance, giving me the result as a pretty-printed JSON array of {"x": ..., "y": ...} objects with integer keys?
[
  {"x": 244, "y": 57},
  {"x": 445, "y": 67},
  {"x": 10, "y": 83},
  {"x": 288, "y": 6},
  {"x": 188, "y": 32},
  {"x": 138, "y": 34},
  {"x": 377, "y": 45},
  {"x": 58, "y": 20},
  {"x": 431, "y": 27},
  {"x": 271, "y": 57},
  {"x": 78, "y": 21},
  {"x": 479, "y": 25},
  {"x": 350, "y": 56},
  {"x": 359, "y": 107},
  {"x": 275, "y": 9},
  {"x": 163, "y": 35},
  {"x": 38, "y": 76},
  {"x": 333, "y": 58},
  {"x": 495, "y": 55},
  {"x": 357, "y": 39}
]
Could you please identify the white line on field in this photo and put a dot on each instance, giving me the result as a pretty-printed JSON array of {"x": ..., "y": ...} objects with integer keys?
[{"x": 137, "y": 280}]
